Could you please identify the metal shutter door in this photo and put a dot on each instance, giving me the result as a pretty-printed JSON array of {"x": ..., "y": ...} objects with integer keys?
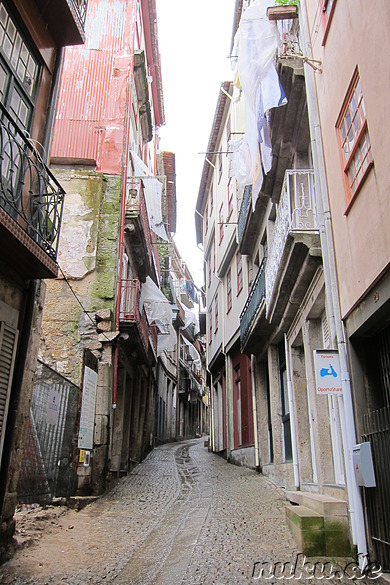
[{"x": 8, "y": 342}]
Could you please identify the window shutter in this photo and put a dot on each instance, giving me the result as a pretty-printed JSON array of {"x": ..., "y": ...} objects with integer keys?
[{"x": 8, "y": 342}]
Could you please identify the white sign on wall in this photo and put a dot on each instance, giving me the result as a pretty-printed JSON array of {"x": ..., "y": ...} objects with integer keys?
[
  {"x": 87, "y": 416},
  {"x": 53, "y": 406},
  {"x": 327, "y": 371}
]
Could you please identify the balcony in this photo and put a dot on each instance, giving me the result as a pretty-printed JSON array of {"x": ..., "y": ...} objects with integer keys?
[
  {"x": 253, "y": 304},
  {"x": 31, "y": 202},
  {"x": 133, "y": 319},
  {"x": 295, "y": 251},
  {"x": 65, "y": 20},
  {"x": 137, "y": 229},
  {"x": 289, "y": 133}
]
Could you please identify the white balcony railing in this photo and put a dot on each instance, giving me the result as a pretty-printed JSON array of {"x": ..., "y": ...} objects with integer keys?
[{"x": 295, "y": 213}]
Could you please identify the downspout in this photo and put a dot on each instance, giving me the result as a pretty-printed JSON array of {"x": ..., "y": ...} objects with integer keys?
[
  {"x": 51, "y": 111},
  {"x": 294, "y": 445},
  {"x": 123, "y": 205},
  {"x": 333, "y": 303}
]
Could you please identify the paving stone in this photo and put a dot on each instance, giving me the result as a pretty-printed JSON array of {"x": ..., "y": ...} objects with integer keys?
[{"x": 182, "y": 517}]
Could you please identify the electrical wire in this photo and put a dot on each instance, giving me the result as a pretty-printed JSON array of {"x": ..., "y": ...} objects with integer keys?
[{"x": 79, "y": 302}]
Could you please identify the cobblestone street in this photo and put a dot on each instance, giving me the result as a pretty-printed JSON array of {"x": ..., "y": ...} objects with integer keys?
[{"x": 183, "y": 516}]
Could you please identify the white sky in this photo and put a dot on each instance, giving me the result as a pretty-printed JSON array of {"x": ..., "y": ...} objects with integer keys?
[{"x": 194, "y": 41}]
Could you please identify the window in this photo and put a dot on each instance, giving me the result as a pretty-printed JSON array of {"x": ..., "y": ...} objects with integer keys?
[
  {"x": 206, "y": 219},
  {"x": 19, "y": 71},
  {"x": 221, "y": 223},
  {"x": 229, "y": 290},
  {"x": 220, "y": 167},
  {"x": 239, "y": 273},
  {"x": 228, "y": 133},
  {"x": 209, "y": 271},
  {"x": 211, "y": 199},
  {"x": 230, "y": 197},
  {"x": 354, "y": 139},
  {"x": 210, "y": 324},
  {"x": 216, "y": 312},
  {"x": 328, "y": 7}
]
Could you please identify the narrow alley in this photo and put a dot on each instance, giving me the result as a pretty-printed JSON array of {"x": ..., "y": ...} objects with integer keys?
[{"x": 183, "y": 516}]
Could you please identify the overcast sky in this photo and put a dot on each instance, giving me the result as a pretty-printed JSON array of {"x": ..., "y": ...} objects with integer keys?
[{"x": 194, "y": 41}]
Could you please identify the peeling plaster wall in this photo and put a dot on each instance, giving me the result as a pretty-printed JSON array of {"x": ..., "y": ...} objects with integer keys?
[{"x": 87, "y": 256}]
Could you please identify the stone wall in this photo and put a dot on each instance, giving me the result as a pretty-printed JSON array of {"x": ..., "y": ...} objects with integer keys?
[{"x": 79, "y": 307}]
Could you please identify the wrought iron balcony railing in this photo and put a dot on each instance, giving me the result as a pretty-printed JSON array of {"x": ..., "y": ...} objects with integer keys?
[
  {"x": 291, "y": 46},
  {"x": 29, "y": 192},
  {"x": 244, "y": 210},
  {"x": 80, "y": 7},
  {"x": 131, "y": 310},
  {"x": 252, "y": 305},
  {"x": 295, "y": 213}
]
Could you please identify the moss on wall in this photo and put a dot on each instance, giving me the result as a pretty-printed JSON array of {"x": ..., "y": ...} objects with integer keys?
[{"x": 103, "y": 290}]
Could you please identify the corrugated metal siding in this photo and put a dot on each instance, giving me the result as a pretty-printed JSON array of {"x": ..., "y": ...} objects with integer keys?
[{"x": 91, "y": 94}]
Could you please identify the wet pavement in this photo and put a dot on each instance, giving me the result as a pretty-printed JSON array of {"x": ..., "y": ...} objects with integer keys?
[{"x": 183, "y": 517}]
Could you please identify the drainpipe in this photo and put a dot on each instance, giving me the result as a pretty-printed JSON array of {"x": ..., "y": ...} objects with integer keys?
[
  {"x": 126, "y": 142},
  {"x": 51, "y": 111},
  {"x": 336, "y": 325},
  {"x": 292, "y": 417}
]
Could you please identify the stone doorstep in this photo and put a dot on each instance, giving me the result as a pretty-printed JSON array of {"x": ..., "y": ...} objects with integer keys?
[
  {"x": 307, "y": 529},
  {"x": 316, "y": 534},
  {"x": 304, "y": 518},
  {"x": 324, "y": 505}
]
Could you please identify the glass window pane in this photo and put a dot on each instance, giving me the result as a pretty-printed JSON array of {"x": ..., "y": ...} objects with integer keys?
[
  {"x": 11, "y": 30},
  {"x": 3, "y": 82},
  {"x": 348, "y": 119},
  {"x": 3, "y": 16}
]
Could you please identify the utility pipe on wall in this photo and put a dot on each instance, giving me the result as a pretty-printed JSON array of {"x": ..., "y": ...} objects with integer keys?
[
  {"x": 333, "y": 300},
  {"x": 126, "y": 141}
]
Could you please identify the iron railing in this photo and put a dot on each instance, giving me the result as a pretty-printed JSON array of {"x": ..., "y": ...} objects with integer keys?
[
  {"x": 131, "y": 309},
  {"x": 244, "y": 210},
  {"x": 29, "y": 192},
  {"x": 376, "y": 430},
  {"x": 291, "y": 46},
  {"x": 295, "y": 212},
  {"x": 80, "y": 7},
  {"x": 252, "y": 305}
]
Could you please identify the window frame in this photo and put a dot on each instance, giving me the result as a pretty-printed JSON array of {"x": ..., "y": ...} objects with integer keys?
[
  {"x": 220, "y": 167},
  {"x": 230, "y": 189},
  {"x": 14, "y": 83},
  {"x": 327, "y": 17},
  {"x": 221, "y": 223},
  {"x": 210, "y": 324},
  {"x": 360, "y": 136},
  {"x": 229, "y": 299},
  {"x": 240, "y": 283},
  {"x": 216, "y": 320}
]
